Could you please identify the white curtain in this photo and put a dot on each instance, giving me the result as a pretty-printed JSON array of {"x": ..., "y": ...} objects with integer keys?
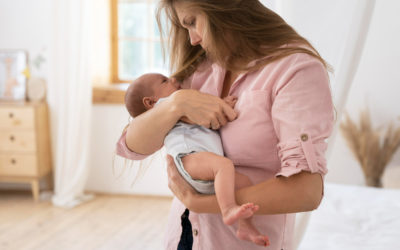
[
  {"x": 338, "y": 29},
  {"x": 101, "y": 45},
  {"x": 70, "y": 99}
]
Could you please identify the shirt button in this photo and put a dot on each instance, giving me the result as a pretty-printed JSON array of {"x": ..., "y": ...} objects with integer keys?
[
  {"x": 195, "y": 232},
  {"x": 304, "y": 137}
]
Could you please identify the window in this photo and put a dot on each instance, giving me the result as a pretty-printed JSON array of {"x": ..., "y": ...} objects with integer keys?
[{"x": 135, "y": 41}]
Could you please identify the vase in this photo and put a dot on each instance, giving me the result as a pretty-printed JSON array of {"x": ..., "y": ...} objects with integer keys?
[{"x": 373, "y": 181}]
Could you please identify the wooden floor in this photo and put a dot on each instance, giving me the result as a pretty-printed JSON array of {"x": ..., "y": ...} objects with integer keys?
[{"x": 106, "y": 222}]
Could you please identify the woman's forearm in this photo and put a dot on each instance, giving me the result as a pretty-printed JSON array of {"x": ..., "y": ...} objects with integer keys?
[
  {"x": 146, "y": 133},
  {"x": 297, "y": 193}
]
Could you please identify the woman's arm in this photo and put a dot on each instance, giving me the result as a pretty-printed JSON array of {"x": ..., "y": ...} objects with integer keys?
[
  {"x": 146, "y": 133},
  {"x": 297, "y": 193}
]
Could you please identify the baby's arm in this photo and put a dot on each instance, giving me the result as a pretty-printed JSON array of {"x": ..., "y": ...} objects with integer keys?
[{"x": 230, "y": 100}]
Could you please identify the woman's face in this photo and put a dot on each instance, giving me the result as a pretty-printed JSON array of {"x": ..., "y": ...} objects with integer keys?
[{"x": 193, "y": 21}]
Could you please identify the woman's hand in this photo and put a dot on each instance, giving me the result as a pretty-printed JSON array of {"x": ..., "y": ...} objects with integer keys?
[
  {"x": 181, "y": 189},
  {"x": 230, "y": 100},
  {"x": 203, "y": 109}
]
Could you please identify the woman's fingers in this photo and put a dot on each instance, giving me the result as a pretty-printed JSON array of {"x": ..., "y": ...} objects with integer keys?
[
  {"x": 229, "y": 112},
  {"x": 215, "y": 124},
  {"x": 224, "y": 113},
  {"x": 231, "y": 100},
  {"x": 222, "y": 119},
  {"x": 204, "y": 109},
  {"x": 176, "y": 183},
  {"x": 171, "y": 171}
]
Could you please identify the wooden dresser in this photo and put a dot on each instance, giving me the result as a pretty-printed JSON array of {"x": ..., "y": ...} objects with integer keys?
[{"x": 25, "y": 153}]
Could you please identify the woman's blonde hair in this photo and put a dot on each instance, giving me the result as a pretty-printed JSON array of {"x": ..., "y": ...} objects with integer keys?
[{"x": 237, "y": 30}]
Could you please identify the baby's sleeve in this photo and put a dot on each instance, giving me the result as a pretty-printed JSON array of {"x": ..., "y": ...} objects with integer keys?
[
  {"x": 123, "y": 150},
  {"x": 303, "y": 117}
]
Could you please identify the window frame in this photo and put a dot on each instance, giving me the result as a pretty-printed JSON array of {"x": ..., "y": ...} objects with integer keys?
[{"x": 114, "y": 44}]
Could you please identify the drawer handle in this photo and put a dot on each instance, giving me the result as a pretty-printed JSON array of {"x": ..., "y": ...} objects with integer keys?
[
  {"x": 13, "y": 161},
  {"x": 11, "y": 115},
  {"x": 12, "y": 138}
]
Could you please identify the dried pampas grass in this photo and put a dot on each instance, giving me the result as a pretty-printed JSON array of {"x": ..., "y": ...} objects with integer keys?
[{"x": 373, "y": 148}]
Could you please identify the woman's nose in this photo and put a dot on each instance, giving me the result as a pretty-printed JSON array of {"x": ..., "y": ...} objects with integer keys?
[{"x": 195, "y": 39}]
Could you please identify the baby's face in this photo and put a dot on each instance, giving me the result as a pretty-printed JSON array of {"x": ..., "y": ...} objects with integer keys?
[{"x": 162, "y": 85}]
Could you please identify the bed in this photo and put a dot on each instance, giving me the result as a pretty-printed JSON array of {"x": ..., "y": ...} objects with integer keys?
[{"x": 355, "y": 217}]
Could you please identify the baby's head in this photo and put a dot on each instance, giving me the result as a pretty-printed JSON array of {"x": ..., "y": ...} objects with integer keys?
[{"x": 145, "y": 91}]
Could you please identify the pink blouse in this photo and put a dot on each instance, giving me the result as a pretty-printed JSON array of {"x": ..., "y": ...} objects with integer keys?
[{"x": 285, "y": 116}]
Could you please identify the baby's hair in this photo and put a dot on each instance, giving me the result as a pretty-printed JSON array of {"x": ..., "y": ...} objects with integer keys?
[{"x": 134, "y": 97}]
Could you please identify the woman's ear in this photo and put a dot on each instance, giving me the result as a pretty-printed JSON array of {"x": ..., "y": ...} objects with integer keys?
[{"x": 149, "y": 102}]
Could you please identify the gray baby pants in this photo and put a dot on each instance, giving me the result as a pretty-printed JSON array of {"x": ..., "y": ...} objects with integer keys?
[{"x": 184, "y": 139}]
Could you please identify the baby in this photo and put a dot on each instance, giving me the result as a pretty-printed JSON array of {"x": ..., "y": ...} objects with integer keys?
[{"x": 198, "y": 154}]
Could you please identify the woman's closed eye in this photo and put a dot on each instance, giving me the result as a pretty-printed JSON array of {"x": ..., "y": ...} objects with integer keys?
[{"x": 190, "y": 22}]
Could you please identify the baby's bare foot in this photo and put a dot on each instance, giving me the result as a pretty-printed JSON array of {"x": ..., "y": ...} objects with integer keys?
[
  {"x": 235, "y": 213},
  {"x": 247, "y": 231}
]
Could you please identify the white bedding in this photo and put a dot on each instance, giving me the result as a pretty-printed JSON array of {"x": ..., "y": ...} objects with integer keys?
[{"x": 355, "y": 217}]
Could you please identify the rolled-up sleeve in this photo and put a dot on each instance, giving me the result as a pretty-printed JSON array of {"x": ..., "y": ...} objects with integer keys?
[
  {"x": 303, "y": 117},
  {"x": 123, "y": 150}
]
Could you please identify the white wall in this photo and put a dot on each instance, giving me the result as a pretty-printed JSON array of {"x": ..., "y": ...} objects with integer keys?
[{"x": 27, "y": 24}]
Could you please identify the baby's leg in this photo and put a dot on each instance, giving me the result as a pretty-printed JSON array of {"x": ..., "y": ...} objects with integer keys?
[
  {"x": 246, "y": 229},
  {"x": 209, "y": 166}
]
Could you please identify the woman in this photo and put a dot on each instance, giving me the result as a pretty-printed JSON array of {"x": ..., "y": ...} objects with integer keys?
[{"x": 276, "y": 134}]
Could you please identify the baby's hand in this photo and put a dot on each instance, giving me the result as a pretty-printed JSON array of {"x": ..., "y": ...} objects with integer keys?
[{"x": 231, "y": 100}]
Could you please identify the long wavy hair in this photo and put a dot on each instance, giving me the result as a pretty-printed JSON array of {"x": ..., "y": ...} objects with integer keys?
[{"x": 258, "y": 33}]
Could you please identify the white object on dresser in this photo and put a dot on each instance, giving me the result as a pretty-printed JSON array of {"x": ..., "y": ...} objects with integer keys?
[{"x": 36, "y": 89}]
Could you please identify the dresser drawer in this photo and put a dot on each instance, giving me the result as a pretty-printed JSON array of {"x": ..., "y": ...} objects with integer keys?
[
  {"x": 19, "y": 141},
  {"x": 16, "y": 117},
  {"x": 18, "y": 165}
]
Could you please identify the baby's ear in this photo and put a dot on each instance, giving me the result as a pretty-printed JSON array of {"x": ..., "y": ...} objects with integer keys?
[{"x": 149, "y": 102}]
